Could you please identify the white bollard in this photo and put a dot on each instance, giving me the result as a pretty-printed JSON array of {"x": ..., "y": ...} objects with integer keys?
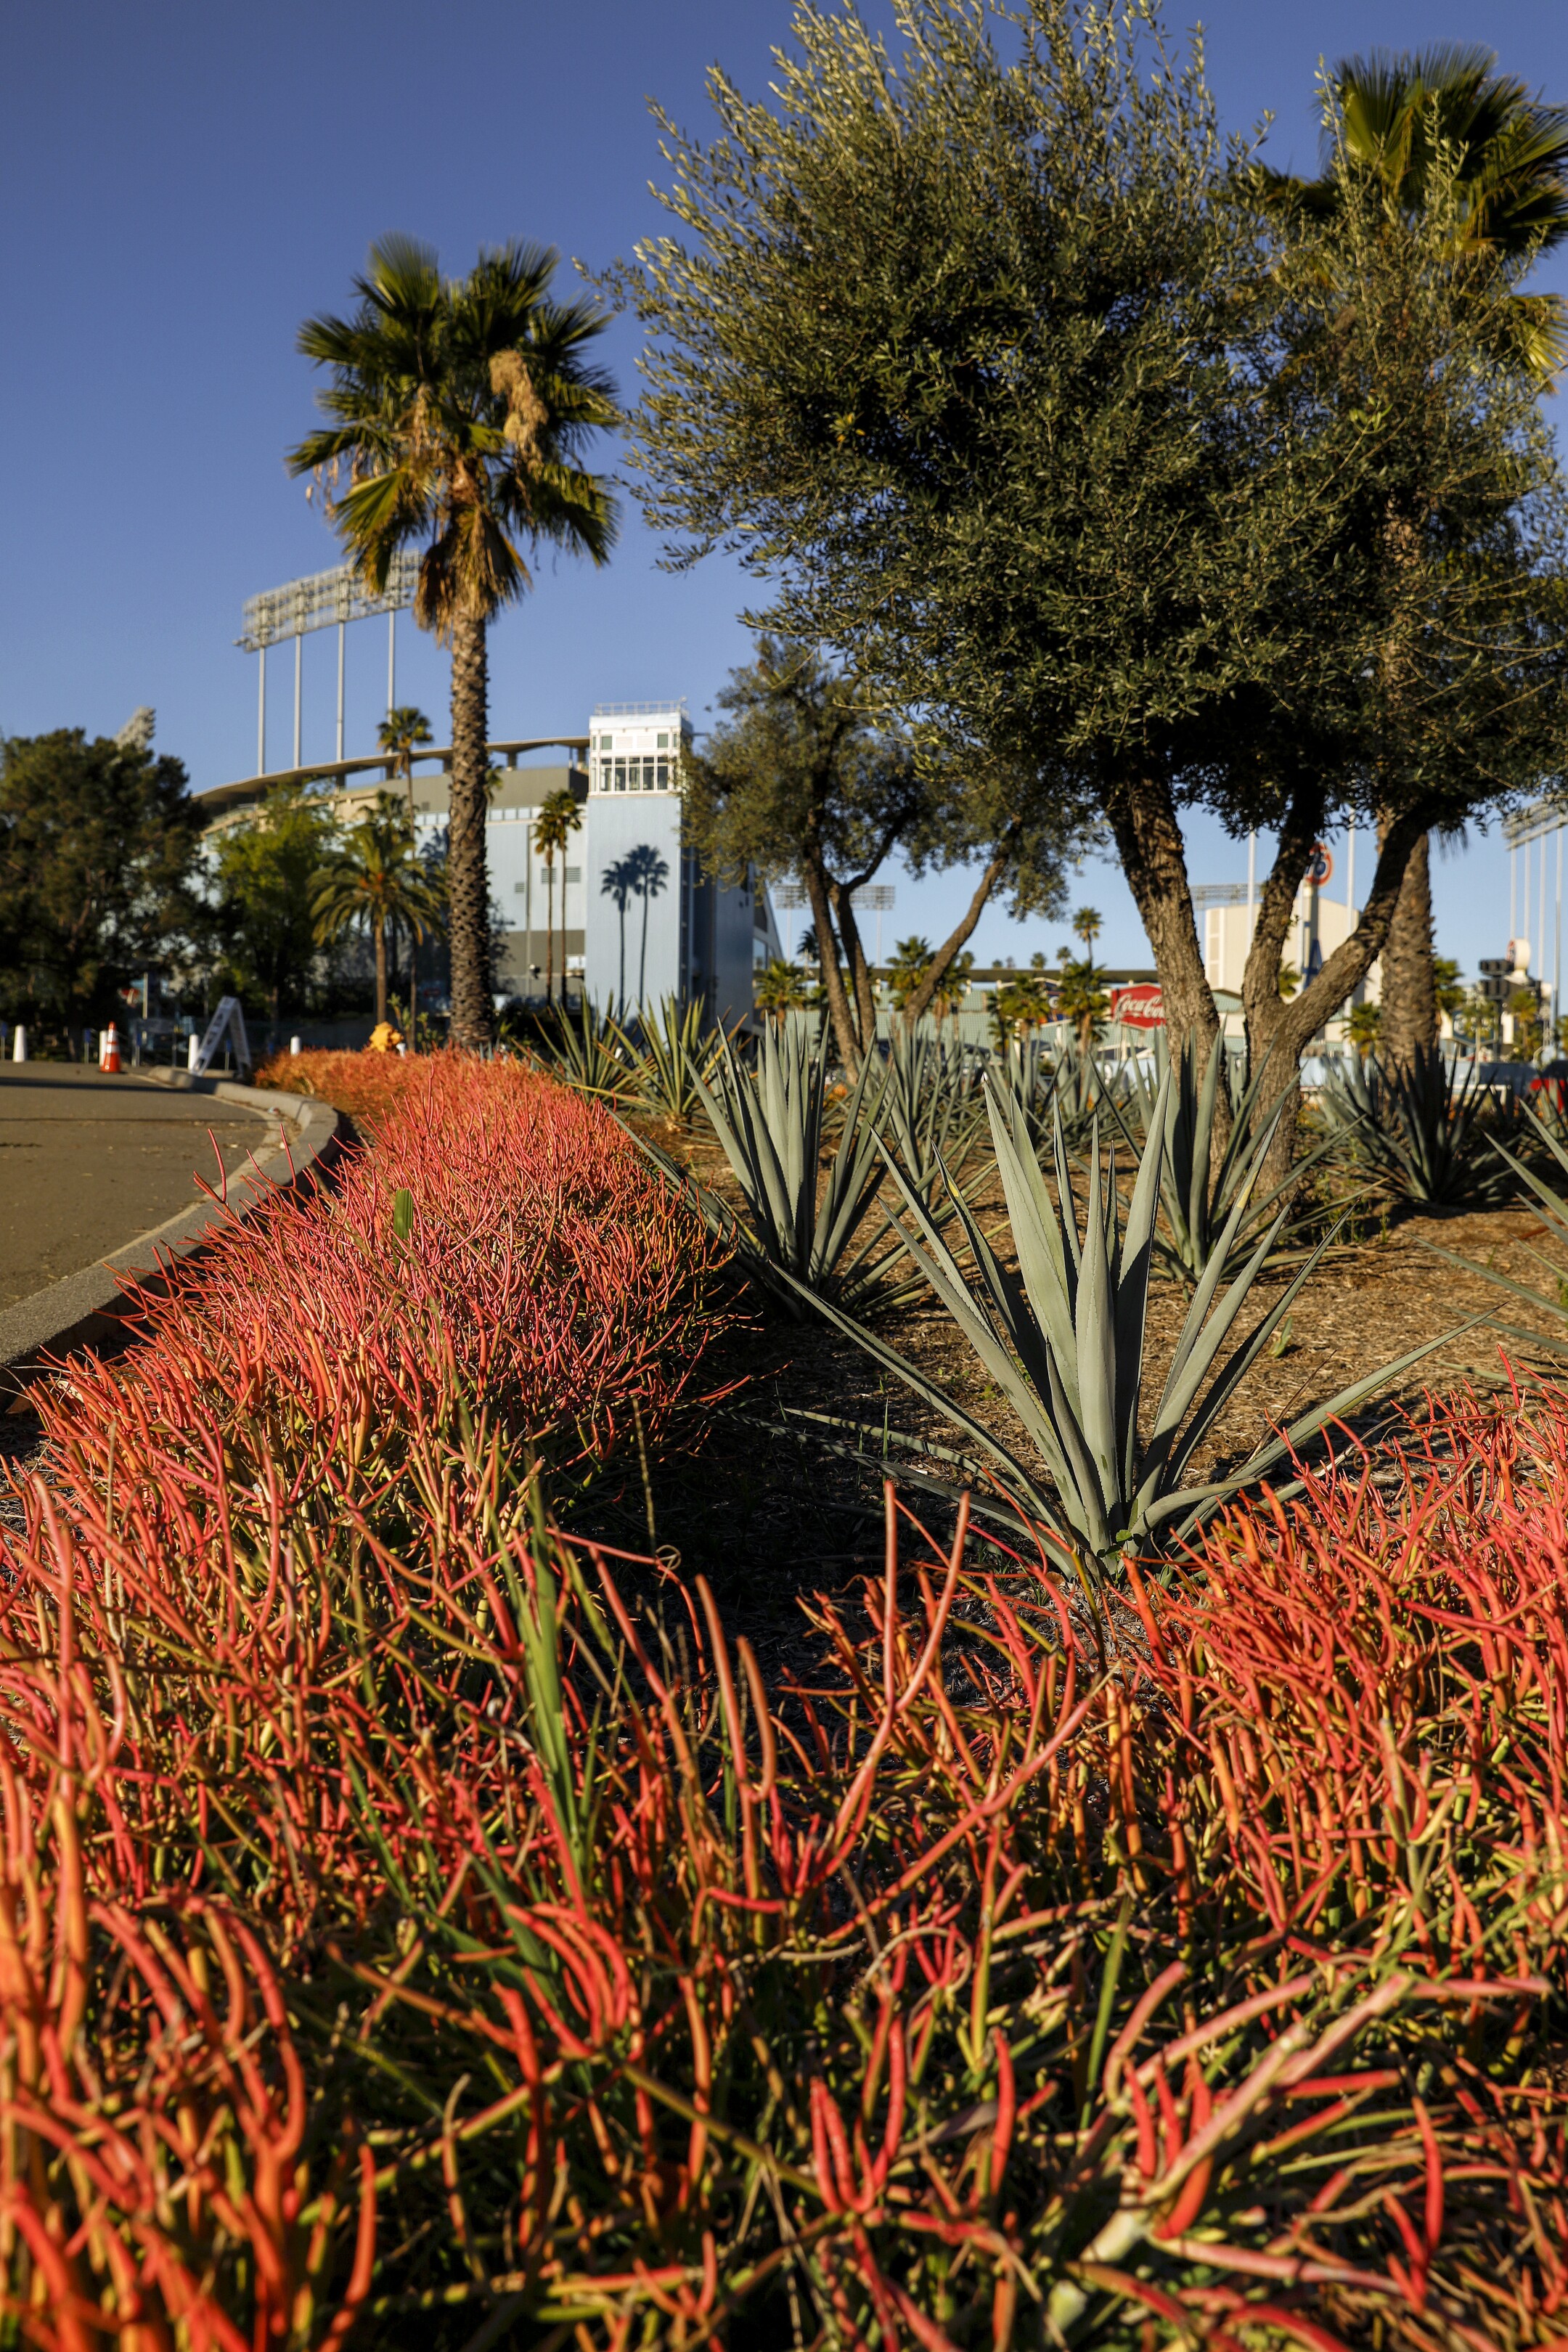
[
  {"x": 294, "y": 1045},
  {"x": 19, "y": 1045},
  {"x": 195, "y": 1050}
]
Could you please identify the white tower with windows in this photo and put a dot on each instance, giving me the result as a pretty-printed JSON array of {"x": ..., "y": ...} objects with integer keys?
[{"x": 655, "y": 926}]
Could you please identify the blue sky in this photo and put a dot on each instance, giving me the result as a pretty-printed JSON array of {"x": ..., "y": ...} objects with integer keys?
[{"x": 182, "y": 182}]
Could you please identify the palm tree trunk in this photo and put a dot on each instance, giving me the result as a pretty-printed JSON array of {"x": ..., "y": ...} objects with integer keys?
[
  {"x": 1409, "y": 996},
  {"x": 380, "y": 968},
  {"x": 550, "y": 931},
  {"x": 468, "y": 880}
]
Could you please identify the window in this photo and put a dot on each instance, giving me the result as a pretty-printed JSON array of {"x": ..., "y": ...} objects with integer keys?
[
  {"x": 620, "y": 775},
  {"x": 574, "y": 873},
  {"x": 664, "y": 775},
  {"x": 664, "y": 743},
  {"x": 521, "y": 889}
]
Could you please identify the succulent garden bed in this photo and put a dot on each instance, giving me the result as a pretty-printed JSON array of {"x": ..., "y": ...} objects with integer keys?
[{"x": 428, "y": 1917}]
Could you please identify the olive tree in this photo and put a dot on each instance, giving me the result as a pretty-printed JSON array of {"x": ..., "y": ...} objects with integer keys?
[
  {"x": 805, "y": 775},
  {"x": 993, "y": 361}
]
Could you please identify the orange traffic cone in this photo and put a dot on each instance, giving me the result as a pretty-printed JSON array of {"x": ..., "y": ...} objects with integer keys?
[{"x": 108, "y": 1059}]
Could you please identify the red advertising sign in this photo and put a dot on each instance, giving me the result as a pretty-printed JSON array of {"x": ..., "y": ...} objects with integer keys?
[{"x": 1140, "y": 1005}]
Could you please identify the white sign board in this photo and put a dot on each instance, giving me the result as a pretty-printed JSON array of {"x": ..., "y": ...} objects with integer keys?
[{"x": 230, "y": 1015}]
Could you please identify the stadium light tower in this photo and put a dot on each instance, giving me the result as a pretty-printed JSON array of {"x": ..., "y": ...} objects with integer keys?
[{"x": 317, "y": 602}]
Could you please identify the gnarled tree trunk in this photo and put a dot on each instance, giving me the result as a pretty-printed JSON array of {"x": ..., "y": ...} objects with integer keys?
[
  {"x": 1148, "y": 834},
  {"x": 467, "y": 877},
  {"x": 1409, "y": 1026}
]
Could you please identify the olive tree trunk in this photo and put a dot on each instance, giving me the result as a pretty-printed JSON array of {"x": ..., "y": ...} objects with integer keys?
[
  {"x": 1408, "y": 1001},
  {"x": 467, "y": 877},
  {"x": 1148, "y": 835},
  {"x": 839, "y": 1012},
  {"x": 930, "y": 980}
]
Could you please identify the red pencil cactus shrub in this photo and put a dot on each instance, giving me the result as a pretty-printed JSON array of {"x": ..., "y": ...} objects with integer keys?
[
  {"x": 499, "y": 1248},
  {"x": 363, "y": 1084},
  {"x": 971, "y": 1996},
  {"x": 408, "y": 1936}
]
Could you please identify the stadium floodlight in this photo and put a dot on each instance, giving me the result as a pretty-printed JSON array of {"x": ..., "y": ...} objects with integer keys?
[{"x": 317, "y": 602}]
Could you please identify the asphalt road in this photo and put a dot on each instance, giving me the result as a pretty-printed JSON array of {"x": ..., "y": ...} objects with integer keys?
[{"x": 89, "y": 1163}]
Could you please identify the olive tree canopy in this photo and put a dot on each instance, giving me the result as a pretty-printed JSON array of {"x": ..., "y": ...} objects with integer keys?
[{"x": 992, "y": 360}]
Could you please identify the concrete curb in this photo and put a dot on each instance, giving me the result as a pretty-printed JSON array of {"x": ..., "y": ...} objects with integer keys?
[{"x": 89, "y": 1310}]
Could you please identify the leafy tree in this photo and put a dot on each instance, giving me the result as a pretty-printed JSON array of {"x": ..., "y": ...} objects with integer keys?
[
  {"x": 993, "y": 362},
  {"x": 1442, "y": 129},
  {"x": 805, "y": 775},
  {"x": 459, "y": 406},
  {"x": 558, "y": 819},
  {"x": 98, "y": 849},
  {"x": 266, "y": 869},
  {"x": 1529, "y": 1028},
  {"x": 376, "y": 879}
]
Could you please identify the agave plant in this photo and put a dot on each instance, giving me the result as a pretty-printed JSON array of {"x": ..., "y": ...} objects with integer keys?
[
  {"x": 845, "y": 1247},
  {"x": 588, "y": 1050},
  {"x": 1063, "y": 1341},
  {"x": 1196, "y": 1197},
  {"x": 1054, "y": 1084},
  {"x": 1546, "y": 1130},
  {"x": 1423, "y": 1129},
  {"x": 671, "y": 1057},
  {"x": 932, "y": 1110}
]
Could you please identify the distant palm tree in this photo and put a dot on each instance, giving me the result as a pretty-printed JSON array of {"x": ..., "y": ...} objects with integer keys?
[
  {"x": 1088, "y": 925},
  {"x": 376, "y": 879},
  {"x": 953, "y": 987},
  {"x": 457, "y": 406},
  {"x": 907, "y": 969},
  {"x": 558, "y": 819},
  {"x": 779, "y": 990},
  {"x": 400, "y": 735}
]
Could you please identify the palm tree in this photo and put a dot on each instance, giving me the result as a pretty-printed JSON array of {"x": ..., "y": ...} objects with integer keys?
[
  {"x": 907, "y": 969},
  {"x": 779, "y": 991},
  {"x": 953, "y": 987},
  {"x": 1088, "y": 925},
  {"x": 458, "y": 408},
  {"x": 376, "y": 879},
  {"x": 400, "y": 735},
  {"x": 558, "y": 819},
  {"x": 1443, "y": 124}
]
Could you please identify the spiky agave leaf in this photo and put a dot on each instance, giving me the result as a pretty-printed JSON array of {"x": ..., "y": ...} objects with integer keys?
[
  {"x": 797, "y": 1237},
  {"x": 1064, "y": 1341},
  {"x": 1195, "y": 1196},
  {"x": 668, "y": 1053},
  {"x": 587, "y": 1051},
  {"x": 1420, "y": 1127},
  {"x": 1554, "y": 1209}
]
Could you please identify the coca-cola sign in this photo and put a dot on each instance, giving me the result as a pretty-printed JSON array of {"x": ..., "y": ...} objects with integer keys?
[{"x": 1140, "y": 1005}]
